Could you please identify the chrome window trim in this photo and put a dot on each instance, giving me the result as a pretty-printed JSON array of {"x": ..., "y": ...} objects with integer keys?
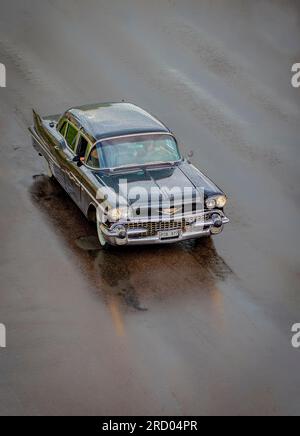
[
  {"x": 76, "y": 142},
  {"x": 79, "y": 132},
  {"x": 89, "y": 144},
  {"x": 65, "y": 121},
  {"x": 136, "y": 134},
  {"x": 64, "y": 139}
]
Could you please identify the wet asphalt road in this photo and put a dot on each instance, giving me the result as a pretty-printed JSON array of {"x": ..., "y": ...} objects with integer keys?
[{"x": 195, "y": 328}]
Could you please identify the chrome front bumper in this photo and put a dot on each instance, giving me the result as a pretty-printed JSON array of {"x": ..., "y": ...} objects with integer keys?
[{"x": 137, "y": 236}]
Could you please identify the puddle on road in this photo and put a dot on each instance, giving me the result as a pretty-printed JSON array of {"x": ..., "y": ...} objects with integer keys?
[
  {"x": 44, "y": 189},
  {"x": 88, "y": 243},
  {"x": 128, "y": 275}
]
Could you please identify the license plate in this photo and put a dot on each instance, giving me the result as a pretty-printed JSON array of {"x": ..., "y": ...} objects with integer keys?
[{"x": 169, "y": 234}]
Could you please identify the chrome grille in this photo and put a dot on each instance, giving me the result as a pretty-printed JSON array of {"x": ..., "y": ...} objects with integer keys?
[{"x": 158, "y": 226}]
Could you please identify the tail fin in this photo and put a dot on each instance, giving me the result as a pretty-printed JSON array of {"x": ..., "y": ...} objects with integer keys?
[{"x": 37, "y": 120}]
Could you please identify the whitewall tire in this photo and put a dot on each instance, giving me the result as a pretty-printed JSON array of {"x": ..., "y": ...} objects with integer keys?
[{"x": 101, "y": 236}]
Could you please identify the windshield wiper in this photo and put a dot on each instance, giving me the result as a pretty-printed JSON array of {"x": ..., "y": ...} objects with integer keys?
[
  {"x": 142, "y": 166},
  {"x": 126, "y": 167},
  {"x": 171, "y": 162}
]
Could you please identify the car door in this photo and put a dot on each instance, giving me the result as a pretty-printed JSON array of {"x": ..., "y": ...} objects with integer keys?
[
  {"x": 60, "y": 156},
  {"x": 76, "y": 173},
  {"x": 93, "y": 189},
  {"x": 72, "y": 183}
]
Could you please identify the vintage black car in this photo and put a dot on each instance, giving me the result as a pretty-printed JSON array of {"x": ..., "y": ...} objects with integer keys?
[{"x": 123, "y": 169}]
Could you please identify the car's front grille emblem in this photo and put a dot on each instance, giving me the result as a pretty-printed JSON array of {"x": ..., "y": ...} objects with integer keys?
[{"x": 170, "y": 211}]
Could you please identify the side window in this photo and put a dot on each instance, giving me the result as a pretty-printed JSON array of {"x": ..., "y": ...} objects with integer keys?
[
  {"x": 71, "y": 136},
  {"x": 81, "y": 146},
  {"x": 93, "y": 159},
  {"x": 62, "y": 129}
]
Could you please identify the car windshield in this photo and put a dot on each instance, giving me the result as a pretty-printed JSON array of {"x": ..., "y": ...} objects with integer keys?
[{"x": 136, "y": 150}]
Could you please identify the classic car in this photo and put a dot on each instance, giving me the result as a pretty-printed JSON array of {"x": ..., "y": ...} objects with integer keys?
[{"x": 123, "y": 169}]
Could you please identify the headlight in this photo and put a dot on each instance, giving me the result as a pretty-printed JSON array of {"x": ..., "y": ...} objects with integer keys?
[
  {"x": 211, "y": 203},
  {"x": 221, "y": 201},
  {"x": 218, "y": 201},
  {"x": 119, "y": 213}
]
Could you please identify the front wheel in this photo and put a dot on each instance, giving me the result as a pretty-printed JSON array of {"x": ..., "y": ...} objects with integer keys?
[
  {"x": 49, "y": 172},
  {"x": 101, "y": 237}
]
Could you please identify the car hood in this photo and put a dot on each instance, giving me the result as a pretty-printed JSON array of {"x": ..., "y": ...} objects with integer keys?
[{"x": 164, "y": 179}]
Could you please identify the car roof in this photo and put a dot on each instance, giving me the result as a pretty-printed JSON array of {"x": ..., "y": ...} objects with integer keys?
[{"x": 105, "y": 120}]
